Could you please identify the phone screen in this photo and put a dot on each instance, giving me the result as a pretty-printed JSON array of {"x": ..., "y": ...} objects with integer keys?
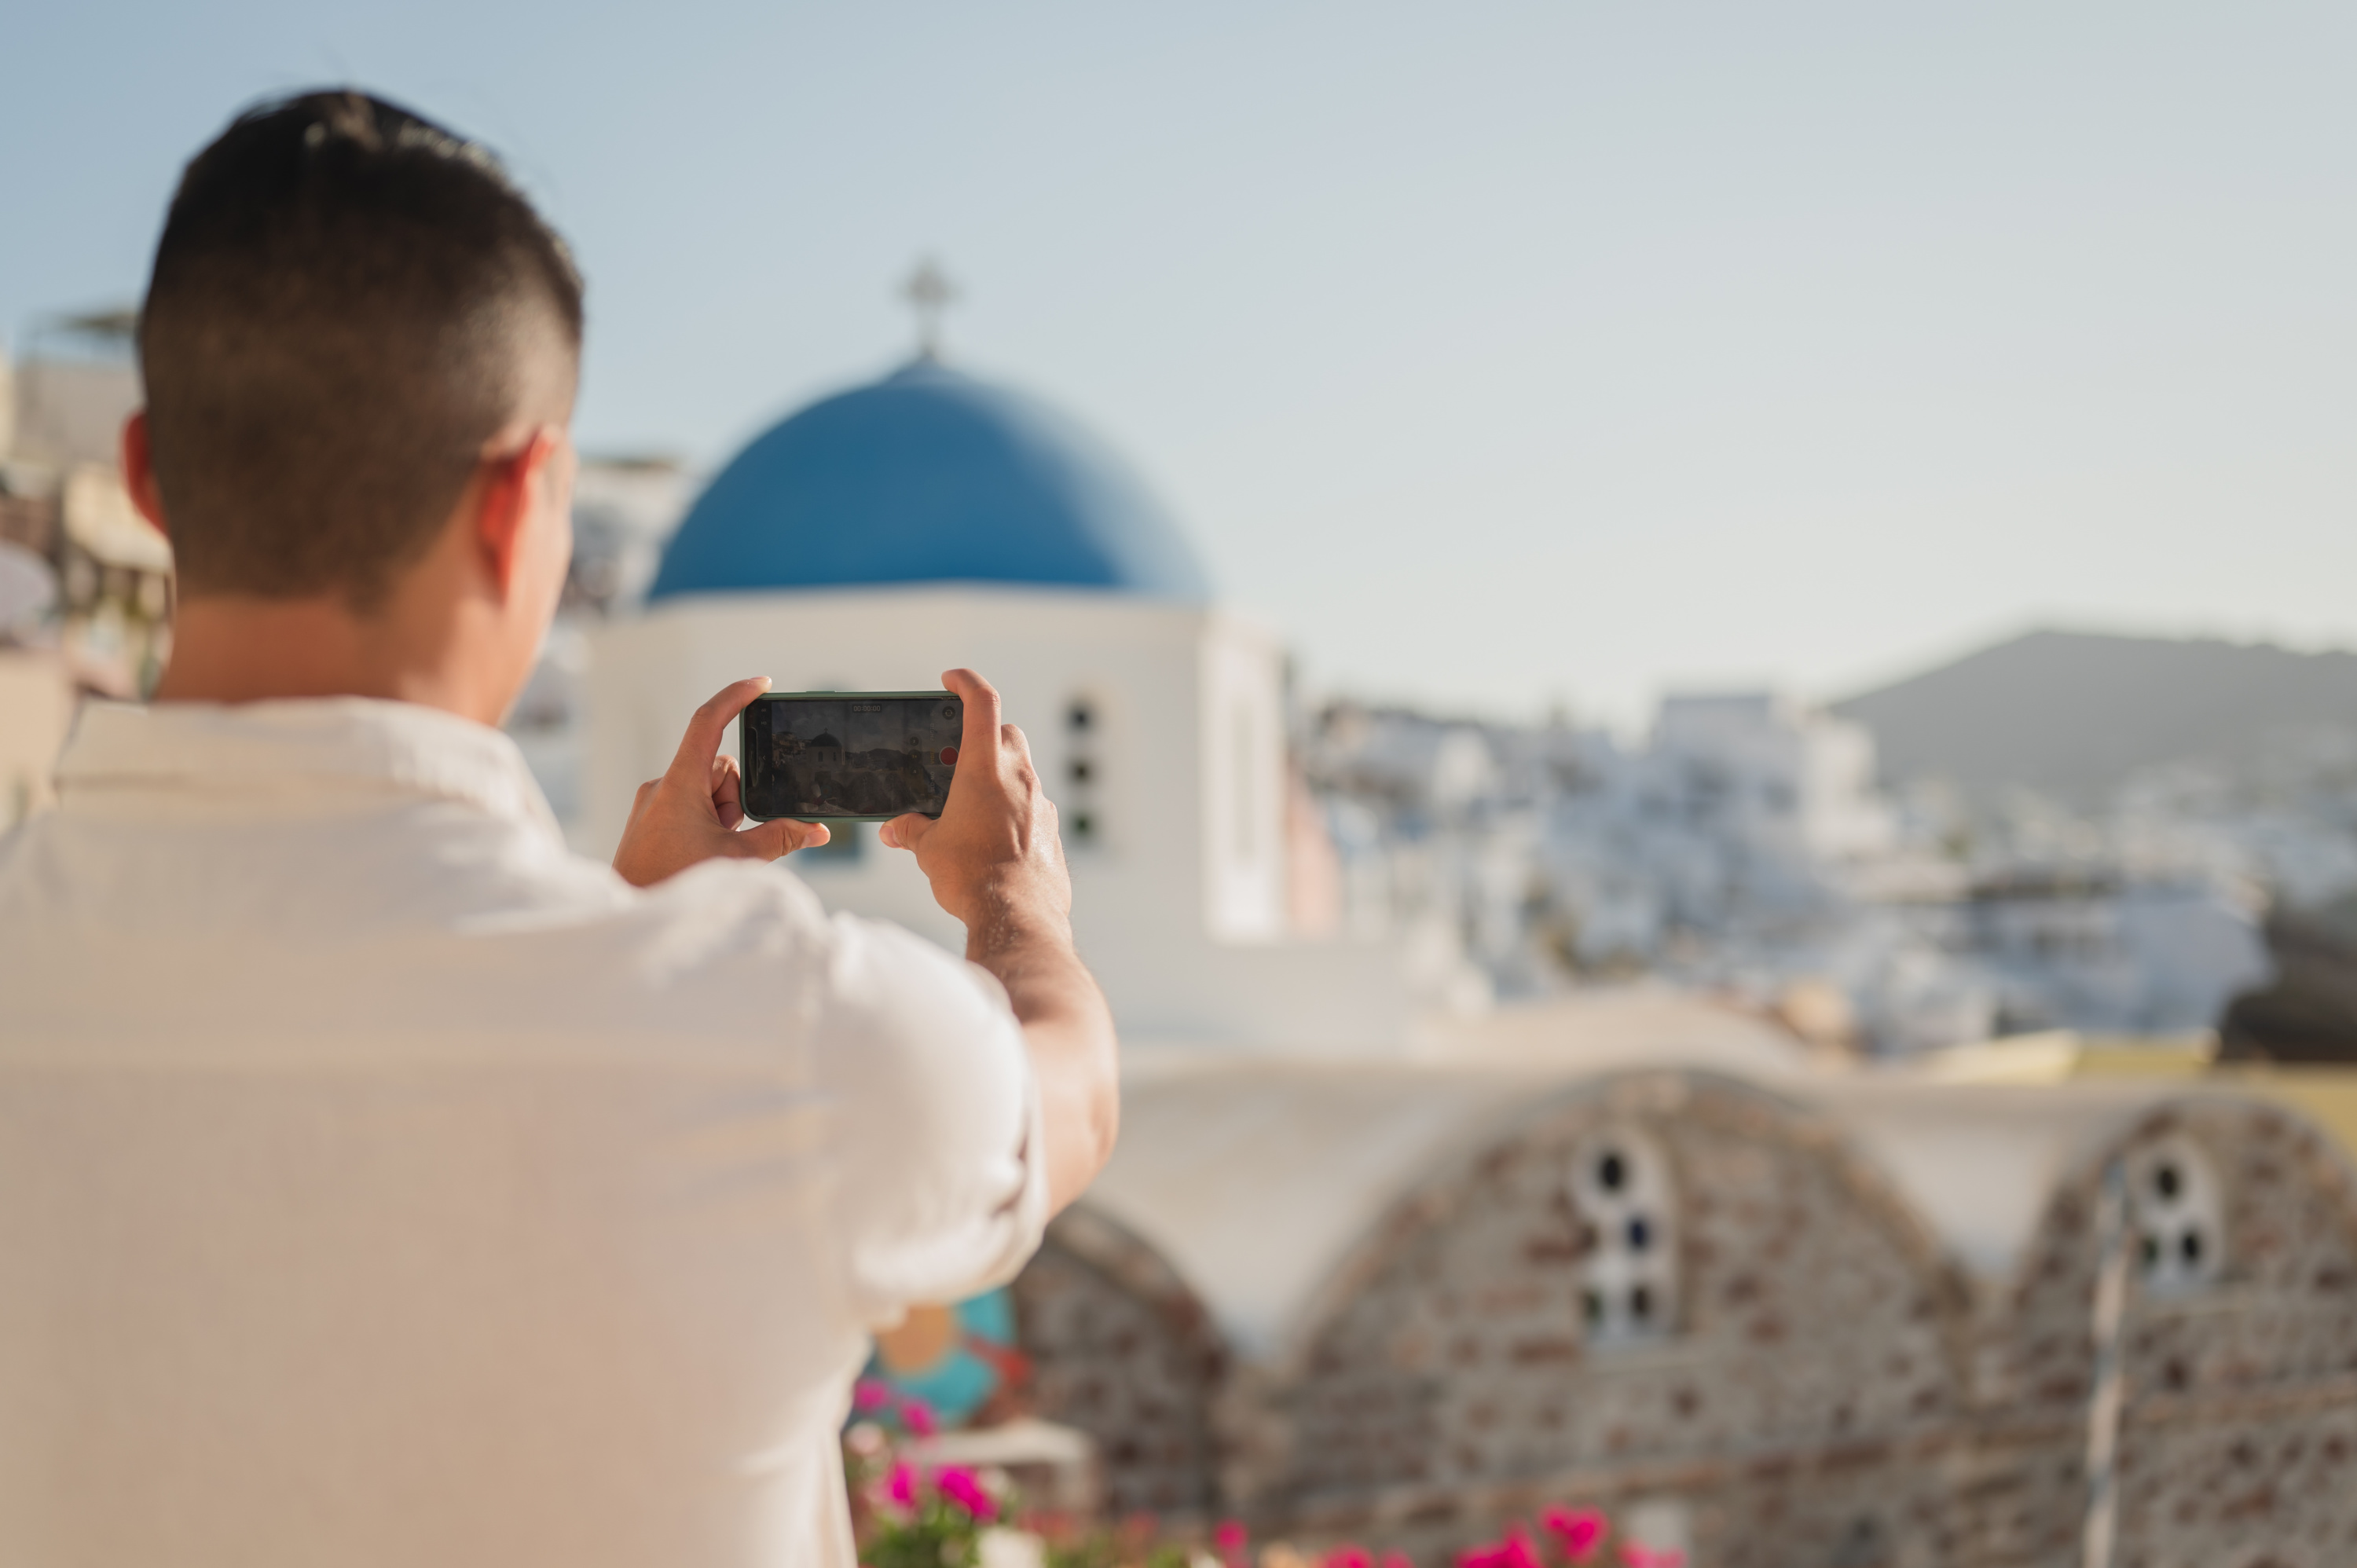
[{"x": 849, "y": 754}]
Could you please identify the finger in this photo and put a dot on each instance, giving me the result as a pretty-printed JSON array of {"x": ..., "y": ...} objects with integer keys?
[
  {"x": 782, "y": 837},
  {"x": 980, "y": 738},
  {"x": 1015, "y": 748},
  {"x": 708, "y": 724},
  {"x": 902, "y": 832},
  {"x": 727, "y": 791}
]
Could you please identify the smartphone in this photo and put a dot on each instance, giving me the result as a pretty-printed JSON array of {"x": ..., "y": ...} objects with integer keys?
[{"x": 848, "y": 756}]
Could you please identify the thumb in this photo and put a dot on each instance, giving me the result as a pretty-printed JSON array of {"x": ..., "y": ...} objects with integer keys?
[
  {"x": 903, "y": 833},
  {"x": 782, "y": 837}
]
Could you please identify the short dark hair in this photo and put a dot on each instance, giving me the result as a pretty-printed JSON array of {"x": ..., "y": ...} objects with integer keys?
[{"x": 344, "y": 308}]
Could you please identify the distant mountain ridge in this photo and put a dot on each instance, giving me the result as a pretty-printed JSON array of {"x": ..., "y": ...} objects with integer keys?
[{"x": 2073, "y": 714}]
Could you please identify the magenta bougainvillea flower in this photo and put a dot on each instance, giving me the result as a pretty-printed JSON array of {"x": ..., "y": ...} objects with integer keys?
[
  {"x": 1579, "y": 1531},
  {"x": 963, "y": 1488},
  {"x": 901, "y": 1486},
  {"x": 1348, "y": 1557},
  {"x": 917, "y": 1417},
  {"x": 867, "y": 1394},
  {"x": 1514, "y": 1551},
  {"x": 1230, "y": 1536}
]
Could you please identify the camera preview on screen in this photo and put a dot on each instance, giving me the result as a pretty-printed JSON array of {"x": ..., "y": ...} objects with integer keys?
[{"x": 849, "y": 755}]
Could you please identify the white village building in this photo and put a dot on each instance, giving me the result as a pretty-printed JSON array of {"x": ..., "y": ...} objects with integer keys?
[{"x": 1745, "y": 846}]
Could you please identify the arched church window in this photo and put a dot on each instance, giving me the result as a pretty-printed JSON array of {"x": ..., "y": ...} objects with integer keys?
[
  {"x": 1083, "y": 793},
  {"x": 1622, "y": 1193},
  {"x": 2176, "y": 1213}
]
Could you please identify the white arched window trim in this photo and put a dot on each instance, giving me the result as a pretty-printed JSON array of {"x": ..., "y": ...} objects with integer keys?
[
  {"x": 1626, "y": 1200},
  {"x": 2177, "y": 1215}
]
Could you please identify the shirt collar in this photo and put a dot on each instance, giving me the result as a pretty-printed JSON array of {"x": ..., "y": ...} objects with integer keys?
[{"x": 307, "y": 745}]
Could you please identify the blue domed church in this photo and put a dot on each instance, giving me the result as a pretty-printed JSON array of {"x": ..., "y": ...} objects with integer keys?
[
  {"x": 931, "y": 519},
  {"x": 929, "y": 476}
]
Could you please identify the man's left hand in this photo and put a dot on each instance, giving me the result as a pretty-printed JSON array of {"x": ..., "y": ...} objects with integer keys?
[{"x": 691, "y": 814}]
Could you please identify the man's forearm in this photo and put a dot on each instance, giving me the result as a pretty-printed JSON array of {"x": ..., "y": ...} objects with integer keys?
[
  {"x": 996, "y": 862},
  {"x": 1069, "y": 1031}
]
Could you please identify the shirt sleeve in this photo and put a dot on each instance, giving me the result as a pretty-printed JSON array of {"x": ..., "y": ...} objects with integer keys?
[{"x": 941, "y": 1187}]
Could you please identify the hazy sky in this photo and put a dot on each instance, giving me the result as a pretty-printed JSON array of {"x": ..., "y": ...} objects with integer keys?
[{"x": 1498, "y": 353}]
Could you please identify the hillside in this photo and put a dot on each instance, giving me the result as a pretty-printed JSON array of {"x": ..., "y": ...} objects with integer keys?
[{"x": 2072, "y": 714}]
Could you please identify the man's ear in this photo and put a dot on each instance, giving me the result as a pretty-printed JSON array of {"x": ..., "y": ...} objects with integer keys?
[
  {"x": 139, "y": 473},
  {"x": 510, "y": 487}
]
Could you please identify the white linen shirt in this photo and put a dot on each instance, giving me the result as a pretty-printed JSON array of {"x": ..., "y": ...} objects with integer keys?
[{"x": 383, "y": 1184}]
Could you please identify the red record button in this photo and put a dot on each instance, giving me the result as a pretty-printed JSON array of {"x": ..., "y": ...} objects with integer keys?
[{"x": 949, "y": 756}]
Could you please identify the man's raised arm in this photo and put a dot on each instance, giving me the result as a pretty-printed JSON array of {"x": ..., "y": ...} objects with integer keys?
[{"x": 995, "y": 860}]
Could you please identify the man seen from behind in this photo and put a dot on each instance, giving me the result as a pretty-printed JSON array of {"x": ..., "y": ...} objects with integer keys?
[{"x": 380, "y": 1184}]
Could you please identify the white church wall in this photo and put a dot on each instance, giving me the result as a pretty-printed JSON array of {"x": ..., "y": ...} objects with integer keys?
[
  {"x": 1242, "y": 753},
  {"x": 1040, "y": 648}
]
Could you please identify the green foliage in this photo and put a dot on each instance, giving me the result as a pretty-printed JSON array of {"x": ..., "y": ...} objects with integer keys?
[
  {"x": 1129, "y": 1547},
  {"x": 937, "y": 1533}
]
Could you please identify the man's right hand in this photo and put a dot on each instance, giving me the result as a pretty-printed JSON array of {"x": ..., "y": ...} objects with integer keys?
[{"x": 994, "y": 855}]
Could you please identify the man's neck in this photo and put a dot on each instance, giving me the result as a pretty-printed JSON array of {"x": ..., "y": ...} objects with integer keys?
[{"x": 234, "y": 648}]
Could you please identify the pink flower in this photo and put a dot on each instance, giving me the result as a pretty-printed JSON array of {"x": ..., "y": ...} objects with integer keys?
[
  {"x": 1514, "y": 1551},
  {"x": 867, "y": 1394},
  {"x": 1579, "y": 1530},
  {"x": 901, "y": 1486},
  {"x": 1398, "y": 1560},
  {"x": 1348, "y": 1557},
  {"x": 917, "y": 1417},
  {"x": 1230, "y": 1536},
  {"x": 961, "y": 1487}
]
